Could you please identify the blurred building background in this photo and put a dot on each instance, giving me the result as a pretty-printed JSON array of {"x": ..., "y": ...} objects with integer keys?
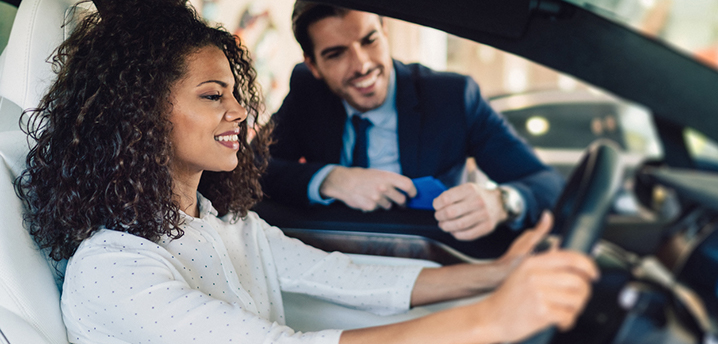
[
  {"x": 691, "y": 26},
  {"x": 264, "y": 26}
]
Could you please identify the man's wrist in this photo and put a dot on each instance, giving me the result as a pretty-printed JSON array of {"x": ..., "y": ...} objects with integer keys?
[
  {"x": 329, "y": 188},
  {"x": 314, "y": 189},
  {"x": 512, "y": 202}
]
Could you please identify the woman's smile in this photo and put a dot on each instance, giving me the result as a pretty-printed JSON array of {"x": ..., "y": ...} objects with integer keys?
[{"x": 229, "y": 139}]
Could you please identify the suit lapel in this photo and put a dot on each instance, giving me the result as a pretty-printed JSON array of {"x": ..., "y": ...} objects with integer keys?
[
  {"x": 409, "y": 120},
  {"x": 334, "y": 130},
  {"x": 323, "y": 124}
]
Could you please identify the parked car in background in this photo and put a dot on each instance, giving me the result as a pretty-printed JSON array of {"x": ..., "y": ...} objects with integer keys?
[{"x": 561, "y": 124}]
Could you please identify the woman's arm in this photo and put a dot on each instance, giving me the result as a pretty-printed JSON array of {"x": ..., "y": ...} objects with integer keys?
[
  {"x": 547, "y": 289},
  {"x": 463, "y": 280}
]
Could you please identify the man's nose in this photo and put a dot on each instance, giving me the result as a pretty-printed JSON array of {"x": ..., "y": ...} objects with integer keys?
[{"x": 361, "y": 63}]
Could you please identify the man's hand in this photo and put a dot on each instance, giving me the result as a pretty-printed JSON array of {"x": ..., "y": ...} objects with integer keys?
[
  {"x": 469, "y": 211},
  {"x": 547, "y": 289},
  {"x": 367, "y": 189}
]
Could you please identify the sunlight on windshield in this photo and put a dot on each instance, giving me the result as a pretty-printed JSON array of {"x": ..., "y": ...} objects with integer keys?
[
  {"x": 700, "y": 147},
  {"x": 689, "y": 25}
]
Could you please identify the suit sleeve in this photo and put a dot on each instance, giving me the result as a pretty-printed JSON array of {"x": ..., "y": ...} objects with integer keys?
[
  {"x": 286, "y": 179},
  {"x": 506, "y": 158}
]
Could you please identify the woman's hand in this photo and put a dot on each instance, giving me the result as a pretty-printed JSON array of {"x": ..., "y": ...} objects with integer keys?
[
  {"x": 550, "y": 288},
  {"x": 546, "y": 289},
  {"x": 524, "y": 245},
  {"x": 464, "y": 280}
]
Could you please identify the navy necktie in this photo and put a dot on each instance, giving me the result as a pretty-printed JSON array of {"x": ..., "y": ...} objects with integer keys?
[{"x": 360, "y": 157}]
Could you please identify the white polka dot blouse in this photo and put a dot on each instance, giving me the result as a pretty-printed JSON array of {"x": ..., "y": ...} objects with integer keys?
[{"x": 219, "y": 283}]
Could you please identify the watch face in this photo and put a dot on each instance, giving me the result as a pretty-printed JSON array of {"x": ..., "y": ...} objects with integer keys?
[{"x": 512, "y": 201}]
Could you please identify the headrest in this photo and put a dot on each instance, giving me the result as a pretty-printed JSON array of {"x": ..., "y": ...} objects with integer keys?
[{"x": 36, "y": 32}]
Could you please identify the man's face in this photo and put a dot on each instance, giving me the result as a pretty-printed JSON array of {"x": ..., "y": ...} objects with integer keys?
[{"x": 351, "y": 54}]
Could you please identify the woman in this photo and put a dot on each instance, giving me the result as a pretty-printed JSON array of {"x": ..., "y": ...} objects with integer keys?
[{"x": 143, "y": 178}]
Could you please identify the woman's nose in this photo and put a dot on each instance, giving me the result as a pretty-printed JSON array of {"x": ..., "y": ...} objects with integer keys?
[{"x": 235, "y": 112}]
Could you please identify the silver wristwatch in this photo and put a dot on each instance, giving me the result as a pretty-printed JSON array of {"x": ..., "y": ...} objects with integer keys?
[{"x": 512, "y": 201}]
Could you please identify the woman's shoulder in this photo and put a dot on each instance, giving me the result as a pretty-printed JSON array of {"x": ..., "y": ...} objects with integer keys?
[
  {"x": 108, "y": 240},
  {"x": 251, "y": 222},
  {"x": 250, "y": 219}
]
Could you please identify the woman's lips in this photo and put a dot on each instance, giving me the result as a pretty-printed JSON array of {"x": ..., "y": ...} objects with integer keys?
[{"x": 229, "y": 139}]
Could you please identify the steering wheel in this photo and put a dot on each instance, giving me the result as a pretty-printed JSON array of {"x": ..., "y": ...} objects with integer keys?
[{"x": 580, "y": 212}]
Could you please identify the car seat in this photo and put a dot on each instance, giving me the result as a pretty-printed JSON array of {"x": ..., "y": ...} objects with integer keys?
[{"x": 29, "y": 294}]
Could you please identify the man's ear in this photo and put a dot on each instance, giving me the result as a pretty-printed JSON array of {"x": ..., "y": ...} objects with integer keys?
[
  {"x": 309, "y": 61},
  {"x": 384, "y": 27}
]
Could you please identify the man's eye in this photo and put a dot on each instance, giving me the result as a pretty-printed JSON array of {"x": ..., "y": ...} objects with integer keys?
[{"x": 332, "y": 56}]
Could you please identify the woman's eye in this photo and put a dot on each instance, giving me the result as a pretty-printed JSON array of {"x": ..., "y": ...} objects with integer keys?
[{"x": 213, "y": 97}]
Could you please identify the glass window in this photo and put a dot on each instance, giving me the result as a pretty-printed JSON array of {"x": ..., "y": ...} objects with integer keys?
[
  {"x": 689, "y": 25},
  {"x": 7, "y": 16},
  {"x": 703, "y": 150}
]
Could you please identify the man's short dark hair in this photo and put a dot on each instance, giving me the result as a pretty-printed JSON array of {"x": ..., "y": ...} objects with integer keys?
[{"x": 306, "y": 13}]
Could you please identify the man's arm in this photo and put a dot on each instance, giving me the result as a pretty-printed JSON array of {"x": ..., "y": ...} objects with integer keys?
[
  {"x": 367, "y": 189},
  {"x": 296, "y": 135},
  {"x": 470, "y": 211}
]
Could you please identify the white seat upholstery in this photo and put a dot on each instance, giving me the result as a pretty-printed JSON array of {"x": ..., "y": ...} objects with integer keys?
[
  {"x": 36, "y": 32},
  {"x": 29, "y": 294}
]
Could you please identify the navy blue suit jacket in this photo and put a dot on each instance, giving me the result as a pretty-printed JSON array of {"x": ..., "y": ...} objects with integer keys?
[{"x": 442, "y": 120}]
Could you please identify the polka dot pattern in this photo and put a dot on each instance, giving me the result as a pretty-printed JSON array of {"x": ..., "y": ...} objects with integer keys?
[{"x": 220, "y": 283}]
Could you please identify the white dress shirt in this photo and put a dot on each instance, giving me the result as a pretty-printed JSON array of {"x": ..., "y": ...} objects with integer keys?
[
  {"x": 219, "y": 283},
  {"x": 382, "y": 141},
  {"x": 382, "y": 148}
]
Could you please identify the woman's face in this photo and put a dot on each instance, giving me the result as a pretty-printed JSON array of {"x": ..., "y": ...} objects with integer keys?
[{"x": 205, "y": 115}]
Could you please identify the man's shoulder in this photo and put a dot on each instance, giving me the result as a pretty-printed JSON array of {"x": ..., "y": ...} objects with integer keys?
[
  {"x": 302, "y": 74},
  {"x": 430, "y": 81},
  {"x": 421, "y": 72},
  {"x": 301, "y": 71},
  {"x": 303, "y": 82}
]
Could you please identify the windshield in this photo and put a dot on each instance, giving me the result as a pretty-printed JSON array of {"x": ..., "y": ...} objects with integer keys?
[{"x": 688, "y": 25}]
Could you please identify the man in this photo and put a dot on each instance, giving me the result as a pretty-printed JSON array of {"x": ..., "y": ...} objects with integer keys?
[{"x": 358, "y": 126}]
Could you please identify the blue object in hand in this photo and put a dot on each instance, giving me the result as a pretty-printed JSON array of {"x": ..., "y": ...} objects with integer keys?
[{"x": 427, "y": 188}]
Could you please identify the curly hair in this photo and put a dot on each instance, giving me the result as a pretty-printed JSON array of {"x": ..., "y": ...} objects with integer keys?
[{"x": 102, "y": 151}]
